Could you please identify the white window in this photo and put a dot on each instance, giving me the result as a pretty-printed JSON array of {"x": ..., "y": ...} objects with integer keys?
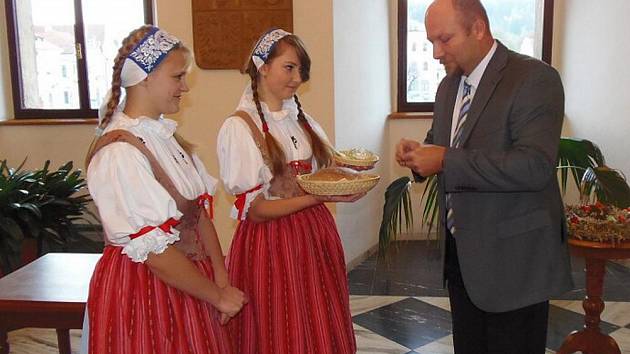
[
  {"x": 81, "y": 37},
  {"x": 522, "y": 25}
]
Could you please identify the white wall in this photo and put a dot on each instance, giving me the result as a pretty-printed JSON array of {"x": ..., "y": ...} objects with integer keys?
[
  {"x": 362, "y": 103},
  {"x": 591, "y": 52}
]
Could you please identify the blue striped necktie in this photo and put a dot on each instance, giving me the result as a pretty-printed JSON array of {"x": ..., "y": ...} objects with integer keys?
[{"x": 457, "y": 136}]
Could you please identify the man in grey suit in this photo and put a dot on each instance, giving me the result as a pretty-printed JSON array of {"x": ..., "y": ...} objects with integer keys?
[{"x": 493, "y": 145}]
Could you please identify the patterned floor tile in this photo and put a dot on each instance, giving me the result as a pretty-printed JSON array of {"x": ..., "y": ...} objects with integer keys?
[
  {"x": 562, "y": 322},
  {"x": 622, "y": 337},
  {"x": 441, "y": 302},
  {"x": 617, "y": 313},
  {"x": 369, "y": 342},
  {"x": 409, "y": 322},
  {"x": 412, "y": 268},
  {"x": 364, "y": 303},
  {"x": 441, "y": 346},
  {"x": 40, "y": 341},
  {"x": 616, "y": 282}
]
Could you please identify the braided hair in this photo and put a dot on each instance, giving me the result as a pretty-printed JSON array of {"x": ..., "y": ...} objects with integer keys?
[
  {"x": 321, "y": 151},
  {"x": 128, "y": 44}
]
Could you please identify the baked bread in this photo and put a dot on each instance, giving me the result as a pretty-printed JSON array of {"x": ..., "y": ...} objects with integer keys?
[
  {"x": 334, "y": 174},
  {"x": 356, "y": 157},
  {"x": 359, "y": 154}
]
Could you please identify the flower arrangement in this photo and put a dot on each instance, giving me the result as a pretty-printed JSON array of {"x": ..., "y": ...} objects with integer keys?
[
  {"x": 599, "y": 222},
  {"x": 603, "y": 211}
]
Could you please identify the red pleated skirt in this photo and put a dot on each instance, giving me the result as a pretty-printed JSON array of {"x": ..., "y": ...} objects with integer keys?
[
  {"x": 132, "y": 311},
  {"x": 293, "y": 272}
]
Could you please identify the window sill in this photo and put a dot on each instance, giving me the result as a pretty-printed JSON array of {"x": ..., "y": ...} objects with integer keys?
[
  {"x": 49, "y": 121},
  {"x": 410, "y": 115}
]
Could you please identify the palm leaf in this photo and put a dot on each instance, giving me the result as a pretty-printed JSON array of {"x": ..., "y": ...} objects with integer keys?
[
  {"x": 588, "y": 168},
  {"x": 609, "y": 186},
  {"x": 397, "y": 207},
  {"x": 576, "y": 156},
  {"x": 430, "y": 212}
]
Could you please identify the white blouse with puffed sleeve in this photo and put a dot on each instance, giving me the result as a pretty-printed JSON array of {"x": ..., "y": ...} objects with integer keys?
[
  {"x": 242, "y": 169},
  {"x": 128, "y": 196}
]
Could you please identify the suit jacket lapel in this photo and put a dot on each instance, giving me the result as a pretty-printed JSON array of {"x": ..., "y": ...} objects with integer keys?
[{"x": 491, "y": 77}]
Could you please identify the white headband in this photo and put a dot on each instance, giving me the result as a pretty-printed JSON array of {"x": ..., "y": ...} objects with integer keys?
[
  {"x": 265, "y": 45},
  {"x": 142, "y": 60}
]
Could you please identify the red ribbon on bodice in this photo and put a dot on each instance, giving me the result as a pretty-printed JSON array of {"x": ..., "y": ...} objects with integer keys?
[
  {"x": 239, "y": 203},
  {"x": 301, "y": 167}
]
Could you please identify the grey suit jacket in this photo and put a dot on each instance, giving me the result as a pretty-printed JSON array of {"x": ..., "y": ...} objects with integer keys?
[{"x": 509, "y": 216}]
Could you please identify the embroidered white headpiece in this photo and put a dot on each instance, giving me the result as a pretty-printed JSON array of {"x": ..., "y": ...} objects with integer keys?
[
  {"x": 146, "y": 56},
  {"x": 265, "y": 45},
  {"x": 142, "y": 60}
]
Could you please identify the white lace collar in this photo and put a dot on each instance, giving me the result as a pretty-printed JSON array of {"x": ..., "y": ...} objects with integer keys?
[
  {"x": 289, "y": 107},
  {"x": 164, "y": 127}
]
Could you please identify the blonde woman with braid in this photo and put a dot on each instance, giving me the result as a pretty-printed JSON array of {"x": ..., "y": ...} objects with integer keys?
[
  {"x": 286, "y": 254},
  {"x": 161, "y": 285}
]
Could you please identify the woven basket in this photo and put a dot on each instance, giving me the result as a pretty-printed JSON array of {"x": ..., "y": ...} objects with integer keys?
[
  {"x": 343, "y": 187},
  {"x": 343, "y": 159}
]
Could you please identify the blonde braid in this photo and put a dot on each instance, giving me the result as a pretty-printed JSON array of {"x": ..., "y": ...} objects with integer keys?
[{"x": 127, "y": 46}]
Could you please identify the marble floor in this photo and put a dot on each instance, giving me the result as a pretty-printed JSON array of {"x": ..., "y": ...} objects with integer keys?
[{"x": 399, "y": 307}]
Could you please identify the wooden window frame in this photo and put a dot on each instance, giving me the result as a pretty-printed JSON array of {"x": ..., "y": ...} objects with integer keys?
[
  {"x": 403, "y": 105},
  {"x": 82, "y": 75}
]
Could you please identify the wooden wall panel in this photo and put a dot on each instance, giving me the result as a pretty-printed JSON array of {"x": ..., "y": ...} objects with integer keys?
[{"x": 224, "y": 31}]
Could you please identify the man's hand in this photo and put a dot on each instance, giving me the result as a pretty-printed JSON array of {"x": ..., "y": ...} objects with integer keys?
[
  {"x": 403, "y": 147},
  {"x": 425, "y": 160}
]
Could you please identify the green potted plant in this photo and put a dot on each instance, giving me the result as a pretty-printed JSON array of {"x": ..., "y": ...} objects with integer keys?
[
  {"x": 602, "y": 214},
  {"x": 41, "y": 208}
]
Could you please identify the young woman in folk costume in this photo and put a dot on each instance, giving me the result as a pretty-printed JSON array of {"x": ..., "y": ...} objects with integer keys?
[
  {"x": 286, "y": 254},
  {"x": 161, "y": 285}
]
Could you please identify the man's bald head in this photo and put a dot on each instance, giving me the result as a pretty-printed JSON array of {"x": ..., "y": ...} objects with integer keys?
[{"x": 468, "y": 11}]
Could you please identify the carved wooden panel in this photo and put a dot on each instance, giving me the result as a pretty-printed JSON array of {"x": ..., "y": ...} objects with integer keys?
[{"x": 224, "y": 31}]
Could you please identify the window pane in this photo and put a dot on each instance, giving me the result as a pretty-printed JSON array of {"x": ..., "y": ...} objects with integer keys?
[
  {"x": 423, "y": 72},
  {"x": 106, "y": 24},
  {"x": 516, "y": 23},
  {"x": 47, "y": 54}
]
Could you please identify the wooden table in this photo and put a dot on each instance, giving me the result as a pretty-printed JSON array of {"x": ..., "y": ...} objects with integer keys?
[
  {"x": 50, "y": 292},
  {"x": 591, "y": 340}
]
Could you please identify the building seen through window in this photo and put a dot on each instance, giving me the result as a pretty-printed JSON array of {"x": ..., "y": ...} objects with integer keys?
[
  {"x": 516, "y": 23},
  {"x": 63, "y": 50}
]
